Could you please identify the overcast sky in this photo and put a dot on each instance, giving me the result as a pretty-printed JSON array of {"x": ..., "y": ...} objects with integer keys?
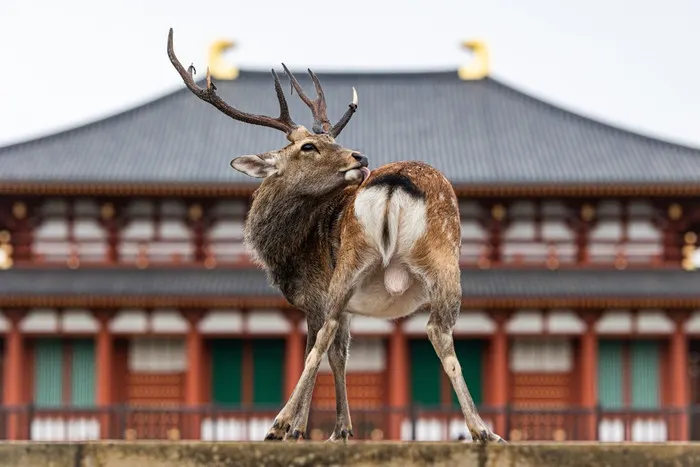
[{"x": 634, "y": 64}]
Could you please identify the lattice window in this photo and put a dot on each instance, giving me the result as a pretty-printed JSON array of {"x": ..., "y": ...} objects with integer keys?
[
  {"x": 157, "y": 232},
  {"x": 70, "y": 232},
  {"x": 529, "y": 241},
  {"x": 157, "y": 355},
  {"x": 225, "y": 237},
  {"x": 625, "y": 234},
  {"x": 545, "y": 355}
]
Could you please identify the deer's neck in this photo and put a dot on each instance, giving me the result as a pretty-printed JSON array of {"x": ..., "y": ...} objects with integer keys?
[{"x": 295, "y": 238}]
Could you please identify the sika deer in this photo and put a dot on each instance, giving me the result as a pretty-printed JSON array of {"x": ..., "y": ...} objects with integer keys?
[{"x": 338, "y": 240}]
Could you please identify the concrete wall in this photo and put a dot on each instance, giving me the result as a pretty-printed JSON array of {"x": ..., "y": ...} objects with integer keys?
[{"x": 354, "y": 454}]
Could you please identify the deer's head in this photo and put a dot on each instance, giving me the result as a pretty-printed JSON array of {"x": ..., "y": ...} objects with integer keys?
[{"x": 312, "y": 162}]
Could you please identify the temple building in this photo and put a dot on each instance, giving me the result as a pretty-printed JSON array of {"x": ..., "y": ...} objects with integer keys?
[{"x": 130, "y": 308}]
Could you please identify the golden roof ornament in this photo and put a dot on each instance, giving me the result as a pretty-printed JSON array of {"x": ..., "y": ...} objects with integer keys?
[
  {"x": 479, "y": 67},
  {"x": 218, "y": 68}
]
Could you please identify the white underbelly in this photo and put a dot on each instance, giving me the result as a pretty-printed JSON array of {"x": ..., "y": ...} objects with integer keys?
[{"x": 372, "y": 299}]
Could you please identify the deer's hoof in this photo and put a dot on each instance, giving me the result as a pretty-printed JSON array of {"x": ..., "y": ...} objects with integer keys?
[
  {"x": 486, "y": 436},
  {"x": 341, "y": 433},
  {"x": 296, "y": 434},
  {"x": 278, "y": 431}
]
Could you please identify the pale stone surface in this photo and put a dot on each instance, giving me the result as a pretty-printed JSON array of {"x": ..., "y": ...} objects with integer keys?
[{"x": 390, "y": 454}]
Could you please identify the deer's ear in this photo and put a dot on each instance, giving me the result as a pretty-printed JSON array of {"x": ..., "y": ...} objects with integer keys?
[{"x": 258, "y": 166}]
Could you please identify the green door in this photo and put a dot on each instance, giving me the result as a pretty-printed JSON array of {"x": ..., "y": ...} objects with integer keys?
[
  {"x": 645, "y": 374},
  {"x": 83, "y": 373},
  {"x": 610, "y": 372},
  {"x": 268, "y": 372},
  {"x": 426, "y": 374},
  {"x": 227, "y": 367},
  {"x": 48, "y": 372},
  {"x": 470, "y": 353}
]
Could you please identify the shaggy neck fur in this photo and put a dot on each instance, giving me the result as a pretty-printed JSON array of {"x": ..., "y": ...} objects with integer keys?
[{"x": 294, "y": 237}]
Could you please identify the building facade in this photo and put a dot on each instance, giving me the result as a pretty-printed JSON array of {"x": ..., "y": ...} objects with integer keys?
[{"x": 130, "y": 308}]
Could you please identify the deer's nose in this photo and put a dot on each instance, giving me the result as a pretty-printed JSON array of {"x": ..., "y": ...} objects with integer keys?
[{"x": 364, "y": 162}]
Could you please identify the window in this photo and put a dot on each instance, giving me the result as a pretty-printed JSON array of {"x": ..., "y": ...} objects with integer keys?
[{"x": 70, "y": 232}]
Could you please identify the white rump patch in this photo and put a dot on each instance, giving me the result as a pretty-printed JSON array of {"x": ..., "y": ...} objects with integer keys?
[
  {"x": 405, "y": 217},
  {"x": 392, "y": 227}
]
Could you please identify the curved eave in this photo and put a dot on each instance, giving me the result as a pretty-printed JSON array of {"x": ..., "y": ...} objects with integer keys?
[{"x": 563, "y": 189}]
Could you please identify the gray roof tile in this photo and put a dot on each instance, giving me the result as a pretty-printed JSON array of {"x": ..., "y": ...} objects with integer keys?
[
  {"x": 476, "y": 132},
  {"x": 495, "y": 284}
]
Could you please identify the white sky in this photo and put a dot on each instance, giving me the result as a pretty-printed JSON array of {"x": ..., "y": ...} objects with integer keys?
[{"x": 630, "y": 63}]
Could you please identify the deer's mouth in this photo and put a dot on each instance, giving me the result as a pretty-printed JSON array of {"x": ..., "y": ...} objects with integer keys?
[{"x": 356, "y": 174}]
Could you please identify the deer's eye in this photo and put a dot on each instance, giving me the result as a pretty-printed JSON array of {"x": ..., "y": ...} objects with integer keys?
[{"x": 308, "y": 147}]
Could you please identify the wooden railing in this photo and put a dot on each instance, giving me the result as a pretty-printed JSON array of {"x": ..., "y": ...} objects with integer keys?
[{"x": 418, "y": 423}]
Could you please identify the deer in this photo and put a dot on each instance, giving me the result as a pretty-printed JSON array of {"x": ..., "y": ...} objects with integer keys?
[{"x": 338, "y": 239}]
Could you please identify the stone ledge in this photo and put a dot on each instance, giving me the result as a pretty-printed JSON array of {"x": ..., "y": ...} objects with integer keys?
[{"x": 201, "y": 454}]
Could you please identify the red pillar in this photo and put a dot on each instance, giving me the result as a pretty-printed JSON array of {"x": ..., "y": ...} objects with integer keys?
[
  {"x": 193, "y": 388},
  {"x": 679, "y": 397},
  {"x": 589, "y": 374},
  {"x": 294, "y": 351},
  {"x": 499, "y": 372},
  {"x": 398, "y": 380},
  {"x": 105, "y": 369},
  {"x": 13, "y": 390}
]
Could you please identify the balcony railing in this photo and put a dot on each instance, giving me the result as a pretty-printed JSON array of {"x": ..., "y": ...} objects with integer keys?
[
  {"x": 413, "y": 423},
  {"x": 232, "y": 252},
  {"x": 522, "y": 252}
]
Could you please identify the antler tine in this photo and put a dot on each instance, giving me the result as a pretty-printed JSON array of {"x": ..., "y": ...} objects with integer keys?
[
  {"x": 297, "y": 86},
  {"x": 283, "y": 122},
  {"x": 318, "y": 107},
  {"x": 352, "y": 108},
  {"x": 320, "y": 102}
]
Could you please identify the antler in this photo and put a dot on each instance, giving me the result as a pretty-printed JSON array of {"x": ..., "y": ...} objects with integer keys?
[
  {"x": 318, "y": 106},
  {"x": 283, "y": 122}
]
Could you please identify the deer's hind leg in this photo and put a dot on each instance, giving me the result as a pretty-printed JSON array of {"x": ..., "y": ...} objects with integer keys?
[{"x": 445, "y": 297}]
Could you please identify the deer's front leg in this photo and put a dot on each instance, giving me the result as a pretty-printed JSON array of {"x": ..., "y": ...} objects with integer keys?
[
  {"x": 337, "y": 359},
  {"x": 338, "y": 295},
  {"x": 314, "y": 322},
  {"x": 293, "y": 410}
]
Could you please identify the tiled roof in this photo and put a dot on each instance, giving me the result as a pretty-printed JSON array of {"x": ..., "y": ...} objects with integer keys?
[
  {"x": 489, "y": 284},
  {"x": 474, "y": 131}
]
